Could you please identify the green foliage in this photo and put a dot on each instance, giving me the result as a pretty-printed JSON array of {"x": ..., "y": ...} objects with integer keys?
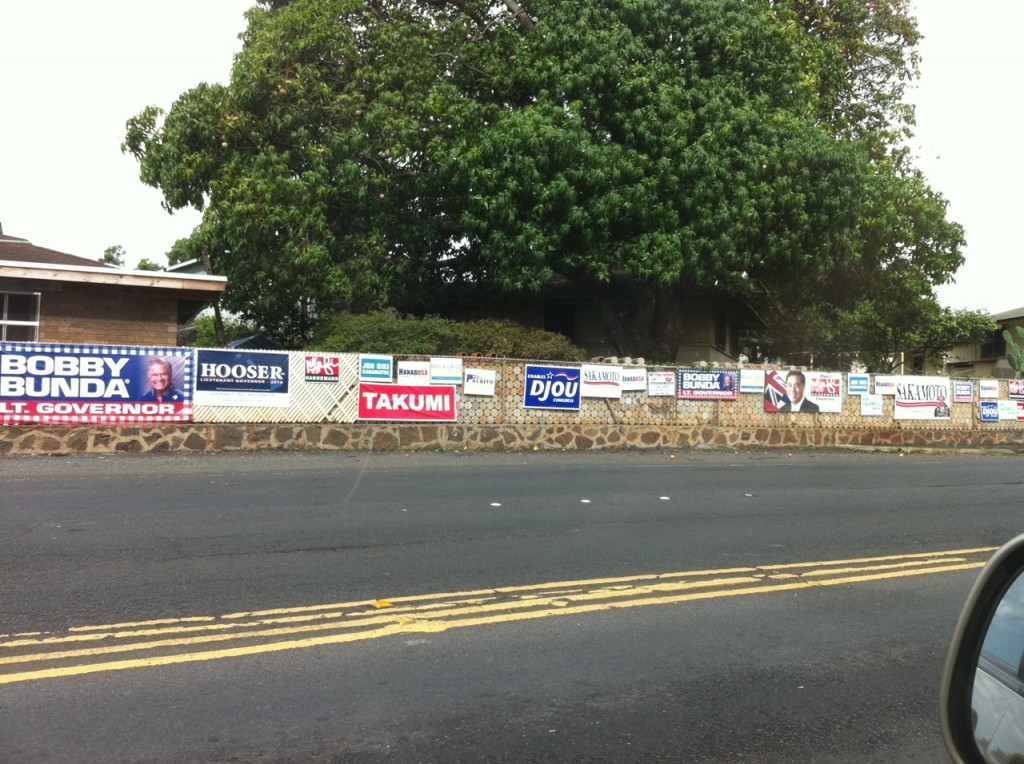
[
  {"x": 391, "y": 153},
  {"x": 114, "y": 256},
  {"x": 387, "y": 331},
  {"x": 204, "y": 331},
  {"x": 145, "y": 264},
  {"x": 1015, "y": 351}
]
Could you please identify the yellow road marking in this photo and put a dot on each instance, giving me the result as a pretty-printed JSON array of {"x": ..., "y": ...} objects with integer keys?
[{"x": 436, "y": 612}]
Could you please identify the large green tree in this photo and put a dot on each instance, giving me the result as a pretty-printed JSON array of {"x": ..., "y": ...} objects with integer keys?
[{"x": 373, "y": 152}]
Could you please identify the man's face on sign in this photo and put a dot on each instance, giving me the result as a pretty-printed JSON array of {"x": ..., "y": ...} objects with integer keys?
[
  {"x": 795, "y": 388},
  {"x": 159, "y": 376}
]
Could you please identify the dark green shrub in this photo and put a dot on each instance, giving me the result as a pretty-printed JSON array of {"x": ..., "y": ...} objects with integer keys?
[
  {"x": 388, "y": 332},
  {"x": 510, "y": 340},
  {"x": 385, "y": 331}
]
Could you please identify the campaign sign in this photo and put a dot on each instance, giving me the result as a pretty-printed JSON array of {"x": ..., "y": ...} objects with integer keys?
[
  {"x": 634, "y": 378},
  {"x": 963, "y": 391},
  {"x": 661, "y": 383},
  {"x": 825, "y": 388},
  {"x": 601, "y": 381},
  {"x": 885, "y": 384},
  {"x": 446, "y": 371},
  {"x": 375, "y": 368},
  {"x": 1016, "y": 389},
  {"x": 323, "y": 368},
  {"x": 803, "y": 392},
  {"x": 990, "y": 411},
  {"x": 480, "y": 382},
  {"x": 989, "y": 388},
  {"x": 241, "y": 378},
  {"x": 919, "y": 397},
  {"x": 552, "y": 387},
  {"x": 858, "y": 384},
  {"x": 414, "y": 372},
  {"x": 870, "y": 405},
  {"x": 752, "y": 381},
  {"x": 407, "y": 403},
  {"x": 93, "y": 384},
  {"x": 703, "y": 385},
  {"x": 1007, "y": 410}
]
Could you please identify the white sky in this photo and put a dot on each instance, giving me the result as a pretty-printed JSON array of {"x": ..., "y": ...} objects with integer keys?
[{"x": 75, "y": 72}]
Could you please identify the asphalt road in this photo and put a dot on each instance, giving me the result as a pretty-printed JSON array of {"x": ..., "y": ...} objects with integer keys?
[{"x": 546, "y": 607}]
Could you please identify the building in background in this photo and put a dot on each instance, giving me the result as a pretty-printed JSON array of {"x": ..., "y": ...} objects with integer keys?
[{"x": 50, "y": 296}]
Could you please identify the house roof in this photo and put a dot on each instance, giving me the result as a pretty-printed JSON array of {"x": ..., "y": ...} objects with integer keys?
[
  {"x": 20, "y": 259},
  {"x": 1009, "y": 315},
  {"x": 22, "y": 250}
]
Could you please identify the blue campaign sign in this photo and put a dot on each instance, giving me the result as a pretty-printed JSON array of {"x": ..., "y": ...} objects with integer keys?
[
  {"x": 235, "y": 371},
  {"x": 990, "y": 411},
  {"x": 69, "y": 384},
  {"x": 552, "y": 387},
  {"x": 376, "y": 368},
  {"x": 858, "y": 384}
]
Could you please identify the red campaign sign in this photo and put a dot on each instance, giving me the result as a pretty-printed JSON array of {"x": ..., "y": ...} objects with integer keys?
[
  {"x": 323, "y": 368},
  {"x": 827, "y": 386},
  {"x": 407, "y": 403},
  {"x": 93, "y": 411}
]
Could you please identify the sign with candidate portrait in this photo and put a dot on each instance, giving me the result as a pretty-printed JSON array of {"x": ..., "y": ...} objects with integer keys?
[
  {"x": 920, "y": 397},
  {"x": 705, "y": 385},
  {"x": 94, "y": 384},
  {"x": 803, "y": 392}
]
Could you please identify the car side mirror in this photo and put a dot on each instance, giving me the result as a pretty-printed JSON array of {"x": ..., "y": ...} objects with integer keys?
[{"x": 982, "y": 700}]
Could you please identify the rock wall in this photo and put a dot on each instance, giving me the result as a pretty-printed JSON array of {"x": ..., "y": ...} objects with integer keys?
[
  {"x": 636, "y": 421},
  {"x": 408, "y": 437}
]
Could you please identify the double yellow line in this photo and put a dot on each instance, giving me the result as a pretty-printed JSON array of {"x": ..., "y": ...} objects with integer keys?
[{"x": 119, "y": 646}]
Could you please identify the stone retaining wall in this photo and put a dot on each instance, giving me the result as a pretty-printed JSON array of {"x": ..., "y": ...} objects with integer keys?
[
  {"x": 500, "y": 422},
  {"x": 365, "y": 437}
]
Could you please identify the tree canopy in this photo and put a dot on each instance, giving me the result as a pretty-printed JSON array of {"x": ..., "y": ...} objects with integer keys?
[
  {"x": 114, "y": 255},
  {"x": 374, "y": 153}
]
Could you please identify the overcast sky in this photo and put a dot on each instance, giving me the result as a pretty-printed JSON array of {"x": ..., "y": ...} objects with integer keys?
[{"x": 75, "y": 72}]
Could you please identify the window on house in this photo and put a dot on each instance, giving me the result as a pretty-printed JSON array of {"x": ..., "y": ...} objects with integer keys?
[
  {"x": 561, "y": 318},
  {"x": 722, "y": 332},
  {"x": 995, "y": 347},
  {"x": 19, "y": 316}
]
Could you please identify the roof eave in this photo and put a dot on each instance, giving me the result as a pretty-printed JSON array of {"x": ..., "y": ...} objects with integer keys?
[{"x": 87, "y": 275}]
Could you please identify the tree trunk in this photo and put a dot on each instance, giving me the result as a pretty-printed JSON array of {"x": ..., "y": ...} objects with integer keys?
[{"x": 642, "y": 320}]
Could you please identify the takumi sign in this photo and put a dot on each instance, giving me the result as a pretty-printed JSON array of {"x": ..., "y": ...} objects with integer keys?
[{"x": 407, "y": 403}]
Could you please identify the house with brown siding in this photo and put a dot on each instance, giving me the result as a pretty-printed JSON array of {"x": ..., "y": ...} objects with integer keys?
[{"x": 50, "y": 296}]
